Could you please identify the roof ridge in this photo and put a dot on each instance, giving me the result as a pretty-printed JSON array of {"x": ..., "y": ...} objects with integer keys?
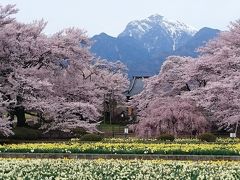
[{"x": 134, "y": 79}]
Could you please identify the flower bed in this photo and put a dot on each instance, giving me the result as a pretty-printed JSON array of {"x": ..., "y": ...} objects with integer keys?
[
  {"x": 124, "y": 148},
  {"x": 177, "y": 140},
  {"x": 116, "y": 169}
]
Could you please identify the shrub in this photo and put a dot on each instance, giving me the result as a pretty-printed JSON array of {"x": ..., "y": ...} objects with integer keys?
[
  {"x": 91, "y": 137},
  {"x": 166, "y": 137},
  {"x": 208, "y": 137},
  {"x": 23, "y": 133},
  {"x": 78, "y": 132}
]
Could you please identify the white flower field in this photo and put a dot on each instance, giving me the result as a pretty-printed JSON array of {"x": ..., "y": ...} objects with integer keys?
[{"x": 46, "y": 169}]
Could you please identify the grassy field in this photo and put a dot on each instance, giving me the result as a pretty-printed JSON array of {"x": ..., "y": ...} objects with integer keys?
[
  {"x": 110, "y": 128},
  {"x": 114, "y": 130}
]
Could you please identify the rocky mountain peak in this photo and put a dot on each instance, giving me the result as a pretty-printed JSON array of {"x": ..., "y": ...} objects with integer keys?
[{"x": 144, "y": 44}]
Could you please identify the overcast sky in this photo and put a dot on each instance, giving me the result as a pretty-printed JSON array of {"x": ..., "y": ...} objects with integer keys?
[{"x": 111, "y": 16}]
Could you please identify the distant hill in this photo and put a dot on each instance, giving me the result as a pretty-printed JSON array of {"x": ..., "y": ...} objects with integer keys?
[
  {"x": 144, "y": 44},
  {"x": 198, "y": 40}
]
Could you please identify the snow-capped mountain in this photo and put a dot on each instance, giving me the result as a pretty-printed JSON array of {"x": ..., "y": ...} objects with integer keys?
[
  {"x": 156, "y": 28},
  {"x": 144, "y": 44}
]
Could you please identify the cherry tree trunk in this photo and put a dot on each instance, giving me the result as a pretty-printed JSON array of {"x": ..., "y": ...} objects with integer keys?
[{"x": 20, "y": 114}]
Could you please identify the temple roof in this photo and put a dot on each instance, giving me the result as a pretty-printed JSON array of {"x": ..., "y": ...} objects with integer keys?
[{"x": 136, "y": 85}]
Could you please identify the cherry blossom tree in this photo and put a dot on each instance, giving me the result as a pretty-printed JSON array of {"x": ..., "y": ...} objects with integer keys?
[
  {"x": 77, "y": 99},
  {"x": 174, "y": 116},
  {"x": 5, "y": 124},
  {"x": 211, "y": 81},
  {"x": 54, "y": 77},
  {"x": 21, "y": 46},
  {"x": 161, "y": 107},
  {"x": 169, "y": 83},
  {"x": 219, "y": 68}
]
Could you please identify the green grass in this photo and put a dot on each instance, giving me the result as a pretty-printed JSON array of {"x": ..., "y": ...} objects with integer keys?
[{"x": 108, "y": 128}]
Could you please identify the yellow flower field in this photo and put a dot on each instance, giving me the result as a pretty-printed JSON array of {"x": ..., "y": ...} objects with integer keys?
[{"x": 125, "y": 148}]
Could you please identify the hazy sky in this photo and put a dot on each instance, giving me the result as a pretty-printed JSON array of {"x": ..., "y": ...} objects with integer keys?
[{"x": 111, "y": 16}]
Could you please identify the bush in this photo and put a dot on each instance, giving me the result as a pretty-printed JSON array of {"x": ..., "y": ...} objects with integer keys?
[
  {"x": 166, "y": 137},
  {"x": 91, "y": 137},
  {"x": 79, "y": 132},
  {"x": 208, "y": 137},
  {"x": 23, "y": 133}
]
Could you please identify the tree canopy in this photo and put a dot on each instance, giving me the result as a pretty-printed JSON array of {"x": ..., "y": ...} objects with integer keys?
[
  {"x": 208, "y": 85},
  {"x": 54, "y": 77}
]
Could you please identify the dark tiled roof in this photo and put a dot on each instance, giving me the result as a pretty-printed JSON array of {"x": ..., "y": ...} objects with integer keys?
[{"x": 136, "y": 85}]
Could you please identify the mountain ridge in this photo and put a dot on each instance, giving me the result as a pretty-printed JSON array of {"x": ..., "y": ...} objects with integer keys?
[{"x": 144, "y": 44}]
